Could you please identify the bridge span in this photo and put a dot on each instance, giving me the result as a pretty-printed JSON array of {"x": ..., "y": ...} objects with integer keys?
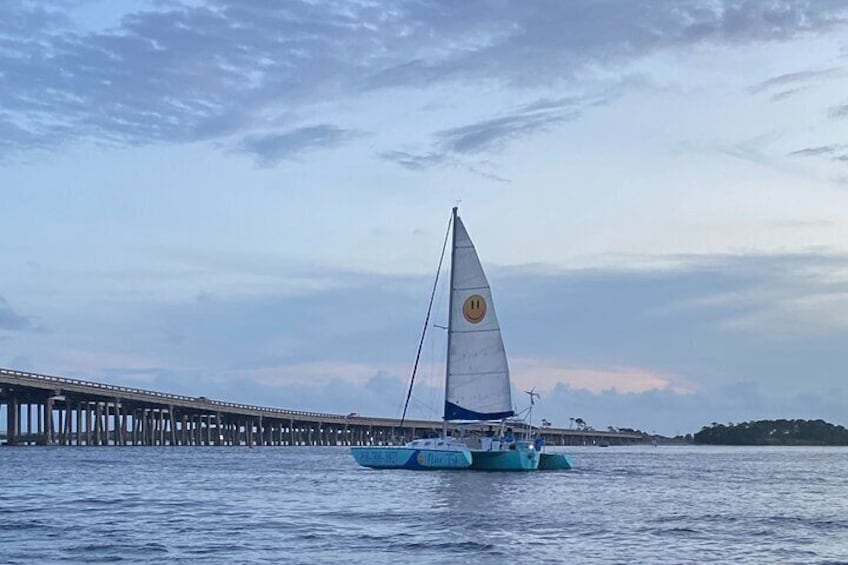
[{"x": 48, "y": 410}]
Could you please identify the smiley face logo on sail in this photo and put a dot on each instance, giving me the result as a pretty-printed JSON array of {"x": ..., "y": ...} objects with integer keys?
[{"x": 474, "y": 309}]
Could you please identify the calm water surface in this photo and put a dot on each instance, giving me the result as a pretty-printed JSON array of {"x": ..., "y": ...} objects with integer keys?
[{"x": 314, "y": 505}]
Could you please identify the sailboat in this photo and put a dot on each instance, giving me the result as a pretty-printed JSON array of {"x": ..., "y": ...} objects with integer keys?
[{"x": 477, "y": 383}]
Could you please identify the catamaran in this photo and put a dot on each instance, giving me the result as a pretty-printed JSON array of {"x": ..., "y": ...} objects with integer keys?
[{"x": 477, "y": 383}]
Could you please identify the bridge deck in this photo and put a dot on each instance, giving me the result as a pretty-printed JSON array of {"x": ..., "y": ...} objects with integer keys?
[{"x": 44, "y": 410}]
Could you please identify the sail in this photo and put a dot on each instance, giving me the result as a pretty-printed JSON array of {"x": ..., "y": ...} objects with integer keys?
[{"x": 477, "y": 383}]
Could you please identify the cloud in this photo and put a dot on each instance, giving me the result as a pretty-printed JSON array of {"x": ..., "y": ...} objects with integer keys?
[
  {"x": 546, "y": 374},
  {"x": 452, "y": 145},
  {"x": 656, "y": 410},
  {"x": 271, "y": 148},
  {"x": 179, "y": 73},
  {"x": 494, "y": 133},
  {"x": 838, "y": 111},
  {"x": 549, "y": 42},
  {"x": 484, "y": 136},
  {"x": 416, "y": 162},
  {"x": 377, "y": 394},
  {"x": 800, "y": 78},
  {"x": 13, "y": 136},
  {"x": 784, "y": 94},
  {"x": 20, "y": 19},
  {"x": 440, "y": 158},
  {"x": 11, "y": 320},
  {"x": 665, "y": 412},
  {"x": 835, "y": 152},
  {"x": 618, "y": 346},
  {"x": 816, "y": 151}
]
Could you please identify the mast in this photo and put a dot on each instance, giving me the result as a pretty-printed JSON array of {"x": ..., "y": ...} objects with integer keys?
[{"x": 450, "y": 305}]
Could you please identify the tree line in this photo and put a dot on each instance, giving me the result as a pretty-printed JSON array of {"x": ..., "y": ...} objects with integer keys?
[{"x": 773, "y": 432}]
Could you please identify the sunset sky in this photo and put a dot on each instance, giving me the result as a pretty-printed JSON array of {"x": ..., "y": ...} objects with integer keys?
[{"x": 246, "y": 200}]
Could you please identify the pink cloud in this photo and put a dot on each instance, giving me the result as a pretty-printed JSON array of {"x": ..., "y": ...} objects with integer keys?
[{"x": 545, "y": 375}]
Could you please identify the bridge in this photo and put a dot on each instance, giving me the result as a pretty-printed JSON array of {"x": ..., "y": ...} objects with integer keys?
[{"x": 48, "y": 410}]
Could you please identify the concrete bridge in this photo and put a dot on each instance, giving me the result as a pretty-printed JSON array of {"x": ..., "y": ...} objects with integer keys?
[{"x": 49, "y": 410}]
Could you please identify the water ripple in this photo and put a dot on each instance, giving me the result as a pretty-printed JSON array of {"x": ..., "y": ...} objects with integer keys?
[{"x": 301, "y": 505}]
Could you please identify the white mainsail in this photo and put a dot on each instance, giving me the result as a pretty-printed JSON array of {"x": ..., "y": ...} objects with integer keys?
[{"x": 477, "y": 384}]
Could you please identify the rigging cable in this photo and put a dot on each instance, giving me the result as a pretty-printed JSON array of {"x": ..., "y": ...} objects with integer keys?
[{"x": 426, "y": 322}]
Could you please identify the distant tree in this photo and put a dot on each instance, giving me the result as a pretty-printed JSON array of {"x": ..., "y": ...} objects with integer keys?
[{"x": 774, "y": 432}]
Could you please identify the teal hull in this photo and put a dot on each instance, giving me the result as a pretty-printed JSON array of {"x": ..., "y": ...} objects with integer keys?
[
  {"x": 389, "y": 457},
  {"x": 522, "y": 459},
  {"x": 554, "y": 461},
  {"x": 512, "y": 460}
]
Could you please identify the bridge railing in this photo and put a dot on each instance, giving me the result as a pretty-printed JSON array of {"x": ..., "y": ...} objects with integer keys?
[{"x": 168, "y": 396}]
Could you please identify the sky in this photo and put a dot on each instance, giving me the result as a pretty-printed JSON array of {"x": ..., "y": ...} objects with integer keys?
[{"x": 246, "y": 200}]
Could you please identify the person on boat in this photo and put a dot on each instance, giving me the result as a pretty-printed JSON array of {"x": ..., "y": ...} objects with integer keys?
[
  {"x": 538, "y": 442},
  {"x": 508, "y": 437}
]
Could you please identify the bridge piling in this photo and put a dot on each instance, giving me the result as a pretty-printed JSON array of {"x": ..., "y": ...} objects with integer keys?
[{"x": 12, "y": 420}]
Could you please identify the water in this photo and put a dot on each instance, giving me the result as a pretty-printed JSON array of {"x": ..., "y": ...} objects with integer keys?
[{"x": 313, "y": 505}]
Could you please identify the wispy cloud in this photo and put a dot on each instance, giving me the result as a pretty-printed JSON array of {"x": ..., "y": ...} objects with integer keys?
[
  {"x": 834, "y": 152},
  {"x": 817, "y": 151},
  {"x": 451, "y": 145},
  {"x": 415, "y": 162},
  {"x": 492, "y": 134},
  {"x": 795, "y": 79},
  {"x": 208, "y": 70},
  {"x": 271, "y": 148},
  {"x": 788, "y": 85}
]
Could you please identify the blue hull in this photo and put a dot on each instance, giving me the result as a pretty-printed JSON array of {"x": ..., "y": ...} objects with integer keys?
[{"x": 389, "y": 457}]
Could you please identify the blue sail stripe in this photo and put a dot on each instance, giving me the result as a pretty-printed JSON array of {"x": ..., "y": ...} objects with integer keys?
[{"x": 456, "y": 412}]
